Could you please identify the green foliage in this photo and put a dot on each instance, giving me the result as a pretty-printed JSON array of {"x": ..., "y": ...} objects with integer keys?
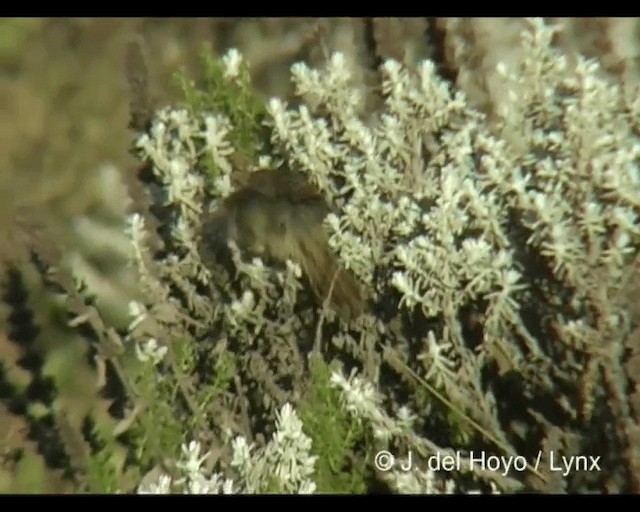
[
  {"x": 232, "y": 97},
  {"x": 171, "y": 409},
  {"x": 158, "y": 427},
  {"x": 335, "y": 436},
  {"x": 105, "y": 466},
  {"x": 224, "y": 368},
  {"x": 461, "y": 433}
]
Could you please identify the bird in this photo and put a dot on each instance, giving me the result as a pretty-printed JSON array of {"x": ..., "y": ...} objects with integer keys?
[{"x": 278, "y": 215}]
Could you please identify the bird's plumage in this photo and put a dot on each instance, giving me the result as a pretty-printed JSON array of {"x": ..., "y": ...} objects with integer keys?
[{"x": 278, "y": 216}]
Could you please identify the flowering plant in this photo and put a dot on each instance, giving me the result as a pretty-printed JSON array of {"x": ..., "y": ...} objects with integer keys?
[{"x": 496, "y": 246}]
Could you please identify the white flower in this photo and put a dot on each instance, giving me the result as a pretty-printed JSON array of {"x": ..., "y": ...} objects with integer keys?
[
  {"x": 191, "y": 461},
  {"x": 232, "y": 61},
  {"x": 289, "y": 449},
  {"x": 241, "y": 452},
  {"x": 215, "y": 134},
  {"x": 438, "y": 362},
  {"x": 138, "y": 313},
  {"x": 136, "y": 231},
  {"x": 245, "y": 306},
  {"x": 162, "y": 486},
  {"x": 150, "y": 351}
]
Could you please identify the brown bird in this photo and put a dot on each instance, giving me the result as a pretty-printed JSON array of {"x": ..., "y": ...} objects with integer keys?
[{"x": 278, "y": 215}]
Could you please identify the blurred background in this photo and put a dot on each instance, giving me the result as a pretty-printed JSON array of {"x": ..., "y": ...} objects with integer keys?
[{"x": 64, "y": 144}]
